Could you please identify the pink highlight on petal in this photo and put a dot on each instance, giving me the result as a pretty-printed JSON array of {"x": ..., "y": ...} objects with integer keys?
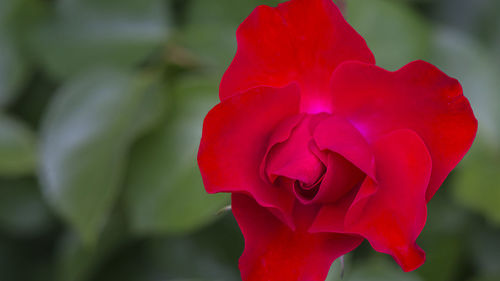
[{"x": 315, "y": 105}]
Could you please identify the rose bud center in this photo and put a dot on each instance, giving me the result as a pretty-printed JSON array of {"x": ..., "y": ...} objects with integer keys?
[{"x": 294, "y": 161}]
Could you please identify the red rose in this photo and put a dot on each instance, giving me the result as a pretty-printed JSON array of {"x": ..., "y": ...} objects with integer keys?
[{"x": 321, "y": 149}]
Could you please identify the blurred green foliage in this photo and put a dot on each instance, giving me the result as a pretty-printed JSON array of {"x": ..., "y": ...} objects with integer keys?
[{"x": 101, "y": 108}]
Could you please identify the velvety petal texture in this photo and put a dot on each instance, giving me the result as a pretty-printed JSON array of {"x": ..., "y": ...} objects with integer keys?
[
  {"x": 234, "y": 141},
  {"x": 300, "y": 40},
  {"x": 390, "y": 213},
  {"x": 393, "y": 216},
  {"x": 418, "y": 97},
  {"x": 293, "y": 158},
  {"x": 321, "y": 149},
  {"x": 274, "y": 252},
  {"x": 338, "y": 135},
  {"x": 340, "y": 178}
]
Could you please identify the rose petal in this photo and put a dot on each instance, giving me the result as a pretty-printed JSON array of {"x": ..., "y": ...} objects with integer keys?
[
  {"x": 338, "y": 135},
  {"x": 331, "y": 217},
  {"x": 417, "y": 97},
  {"x": 273, "y": 252},
  {"x": 392, "y": 213},
  {"x": 234, "y": 140},
  {"x": 300, "y": 40},
  {"x": 280, "y": 134},
  {"x": 341, "y": 177},
  {"x": 293, "y": 158}
]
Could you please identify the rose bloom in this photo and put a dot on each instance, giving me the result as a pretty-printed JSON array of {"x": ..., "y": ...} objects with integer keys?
[{"x": 322, "y": 149}]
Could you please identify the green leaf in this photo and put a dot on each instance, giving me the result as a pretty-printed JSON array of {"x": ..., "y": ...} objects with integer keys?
[
  {"x": 12, "y": 70},
  {"x": 208, "y": 255},
  {"x": 472, "y": 17},
  {"x": 7, "y": 9},
  {"x": 390, "y": 25},
  {"x": 486, "y": 278},
  {"x": 335, "y": 273},
  {"x": 444, "y": 238},
  {"x": 85, "y": 137},
  {"x": 190, "y": 279},
  {"x": 444, "y": 256},
  {"x": 164, "y": 192},
  {"x": 476, "y": 186},
  {"x": 210, "y": 29},
  {"x": 77, "y": 262},
  {"x": 84, "y": 34},
  {"x": 22, "y": 210},
  {"x": 17, "y": 147},
  {"x": 17, "y": 18},
  {"x": 190, "y": 258},
  {"x": 485, "y": 247},
  {"x": 381, "y": 268}
]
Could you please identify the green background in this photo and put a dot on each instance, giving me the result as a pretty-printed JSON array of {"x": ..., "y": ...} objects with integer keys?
[{"x": 101, "y": 107}]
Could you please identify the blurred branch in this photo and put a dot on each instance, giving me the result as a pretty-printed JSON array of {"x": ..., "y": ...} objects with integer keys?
[
  {"x": 181, "y": 56},
  {"x": 342, "y": 267},
  {"x": 223, "y": 210}
]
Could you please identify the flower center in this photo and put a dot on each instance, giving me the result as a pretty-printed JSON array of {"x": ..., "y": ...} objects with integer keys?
[
  {"x": 294, "y": 157},
  {"x": 308, "y": 191},
  {"x": 295, "y": 162}
]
